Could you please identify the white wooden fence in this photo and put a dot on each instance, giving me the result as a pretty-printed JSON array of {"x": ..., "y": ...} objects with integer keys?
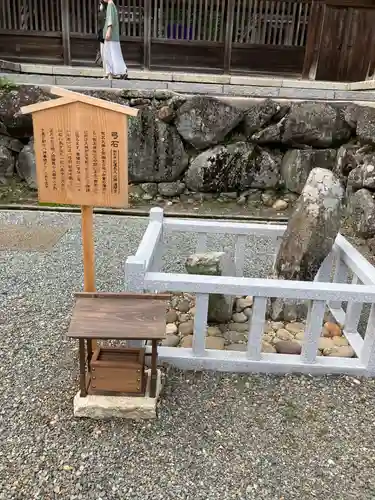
[{"x": 143, "y": 274}]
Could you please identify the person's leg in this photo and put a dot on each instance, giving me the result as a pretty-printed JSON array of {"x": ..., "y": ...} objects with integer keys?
[
  {"x": 103, "y": 60},
  {"x": 119, "y": 67}
]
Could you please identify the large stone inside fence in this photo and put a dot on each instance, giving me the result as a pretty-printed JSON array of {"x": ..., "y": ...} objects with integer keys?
[
  {"x": 311, "y": 232},
  {"x": 312, "y": 227},
  {"x": 220, "y": 306}
]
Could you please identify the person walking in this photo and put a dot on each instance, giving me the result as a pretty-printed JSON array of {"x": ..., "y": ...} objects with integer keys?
[
  {"x": 100, "y": 36},
  {"x": 113, "y": 61}
]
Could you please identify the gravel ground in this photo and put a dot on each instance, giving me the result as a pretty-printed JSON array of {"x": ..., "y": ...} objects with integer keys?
[{"x": 218, "y": 437}]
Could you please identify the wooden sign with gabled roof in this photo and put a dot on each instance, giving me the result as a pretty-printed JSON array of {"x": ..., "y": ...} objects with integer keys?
[
  {"x": 81, "y": 154},
  {"x": 81, "y": 150}
]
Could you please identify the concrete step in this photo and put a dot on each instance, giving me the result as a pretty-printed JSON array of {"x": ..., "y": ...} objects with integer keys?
[{"x": 216, "y": 85}]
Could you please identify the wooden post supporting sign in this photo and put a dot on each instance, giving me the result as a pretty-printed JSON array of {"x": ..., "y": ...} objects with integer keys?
[{"x": 81, "y": 154}]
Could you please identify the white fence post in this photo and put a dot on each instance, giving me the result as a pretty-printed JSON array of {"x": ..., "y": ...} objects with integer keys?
[
  {"x": 313, "y": 330},
  {"x": 134, "y": 274},
  {"x": 340, "y": 276},
  {"x": 325, "y": 270},
  {"x": 157, "y": 214},
  {"x": 200, "y": 324},
  {"x": 254, "y": 343},
  {"x": 367, "y": 356},
  {"x": 353, "y": 311}
]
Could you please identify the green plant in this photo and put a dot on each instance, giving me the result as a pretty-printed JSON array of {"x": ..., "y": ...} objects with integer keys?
[{"x": 6, "y": 84}]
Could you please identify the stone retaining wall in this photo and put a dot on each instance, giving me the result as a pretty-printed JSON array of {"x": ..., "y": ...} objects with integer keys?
[{"x": 181, "y": 146}]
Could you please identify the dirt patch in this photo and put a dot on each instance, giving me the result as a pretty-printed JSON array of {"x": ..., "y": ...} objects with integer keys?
[{"x": 29, "y": 238}]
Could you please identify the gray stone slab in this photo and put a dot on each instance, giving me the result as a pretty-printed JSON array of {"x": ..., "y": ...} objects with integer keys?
[
  {"x": 256, "y": 81},
  {"x": 313, "y": 84},
  {"x": 359, "y": 95},
  {"x": 9, "y": 66},
  {"x": 200, "y": 78},
  {"x": 138, "y": 84},
  {"x": 77, "y": 71},
  {"x": 252, "y": 91},
  {"x": 72, "y": 81},
  {"x": 196, "y": 88},
  {"x": 293, "y": 93},
  {"x": 150, "y": 75},
  {"x": 41, "y": 69},
  {"x": 29, "y": 79}
]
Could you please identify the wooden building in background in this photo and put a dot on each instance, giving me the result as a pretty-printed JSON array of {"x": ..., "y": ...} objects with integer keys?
[{"x": 322, "y": 39}]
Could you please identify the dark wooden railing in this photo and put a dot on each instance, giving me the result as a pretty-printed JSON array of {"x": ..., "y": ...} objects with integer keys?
[{"x": 264, "y": 36}]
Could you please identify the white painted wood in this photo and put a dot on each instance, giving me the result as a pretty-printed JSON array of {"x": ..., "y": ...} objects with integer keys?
[
  {"x": 134, "y": 274},
  {"x": 368, "y": 349},
  {"x": 340, "y": 275},
  {"x": 354, "y": 338},
  {"x": 313, "y": 330},
  {"x": 223, "y": 227},
  {"x": 355, "y": 261},
  {"x": 157, "y": 259},
  {"x": 233, "y": 361},
  {"x": 202, "y": 243},
  {"x": 200, "y": 324},
  {"x": 156, "y": 214},
  {"x": 239, "y": 254},
  {"x": 353, "y": 311},
  {"x": 303, "y": 290},
  {"x": 149, "y": 243},
  {"x": 325, "y": 271},
  {"x": 320, "y": 291},
  {"x": 254, "y": 343}
]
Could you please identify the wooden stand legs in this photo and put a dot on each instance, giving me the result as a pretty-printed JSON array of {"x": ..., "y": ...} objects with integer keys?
[
  {"x": 82, "y": 368},
  {"x": 154, "y": 373}
]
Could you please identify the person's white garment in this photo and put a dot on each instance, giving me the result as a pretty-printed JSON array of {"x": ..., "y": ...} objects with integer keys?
[{"x": 113, "y": 62}]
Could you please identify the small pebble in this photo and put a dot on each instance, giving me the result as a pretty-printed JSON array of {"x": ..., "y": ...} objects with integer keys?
[
  {"x": 239, "y": 317},
  {"x": 186, "y": 328},
  {"x": 214, "y": 331},
  {"x": 171, "y": 316},
  {"x": 333, "y": 329},
  {"x": 283, "y": 334},
  {"x": 280, "y": 205},
  {"x": 187, "y": 341},
  {"x": 170, "y": 341},
  {"x": 170, "y": 329},
  {"x": 288, "y": 347}
]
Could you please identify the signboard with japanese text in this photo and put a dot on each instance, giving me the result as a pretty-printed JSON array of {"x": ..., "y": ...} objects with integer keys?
[{"x": 81, "y": 155}]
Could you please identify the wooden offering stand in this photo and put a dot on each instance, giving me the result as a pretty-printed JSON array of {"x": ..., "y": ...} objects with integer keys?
[
  {"x": 117, "y": 316},
  {"x": 81, "y": 153}
]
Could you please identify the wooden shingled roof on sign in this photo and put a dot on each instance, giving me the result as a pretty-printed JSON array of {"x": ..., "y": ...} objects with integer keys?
[
  {"x": 119, "y": 316},
  {"x": 68, "y": 97}
]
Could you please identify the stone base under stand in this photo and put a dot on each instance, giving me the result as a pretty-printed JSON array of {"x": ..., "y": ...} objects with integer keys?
[{"x": 106, "y": 407}]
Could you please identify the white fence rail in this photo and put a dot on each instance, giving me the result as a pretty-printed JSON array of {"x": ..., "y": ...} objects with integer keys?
[{"x": 143, "y": 274}]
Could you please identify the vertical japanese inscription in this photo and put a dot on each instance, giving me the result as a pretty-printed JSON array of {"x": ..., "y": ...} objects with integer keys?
[
  {"x": 61, "y": 150},
  {"x": 78, "y": 160},
  {"x": 95, "y": 166},
  {"x": 44, "y": 157},
  {"x": 86, "y": 161},
  {"x": 53, "y": 158},
  {"x": 69, "y": 157},
  {"x": 103, "y": 154},
  {"x": 115, "y": 156}
]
